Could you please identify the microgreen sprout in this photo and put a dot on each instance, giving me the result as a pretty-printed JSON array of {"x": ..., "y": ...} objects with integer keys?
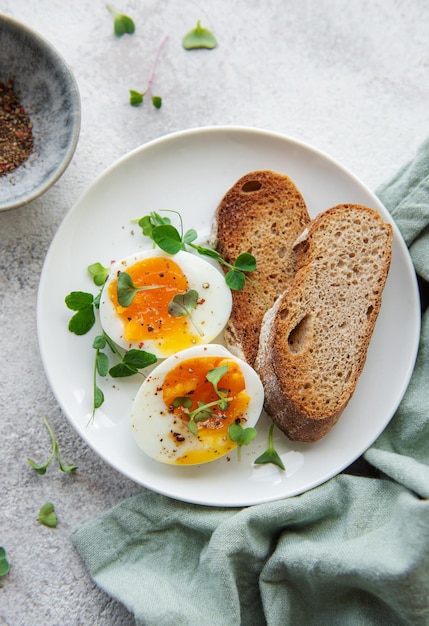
[
  {"x": 84, "y": 318},
  {"x": 41, "y": 469},
  {"x": 130, "y": 363},
  {"x": 126, "y": 289},
  {"x": 241, "y": 436},
  {"x": 122, "y": 24},
  {"x": 270, "y": 455},
  {"x": 137, "y": 97},
  {"x": 85, "y": 304},
  {"x": 171, "y": 240},
  {"x": 184, "y": 304},
  {"x": 4, "y": 563},
  {"x": 99, "y": 273},
  {"x": 204, "y": 410},
  {"x": 47, "y": 515},
  {"x": 199, "y": 37}
]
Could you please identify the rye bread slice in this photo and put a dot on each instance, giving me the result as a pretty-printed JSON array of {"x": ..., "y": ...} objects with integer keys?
[
  {"x": 314, "y": 341},
  {"x": 263, "y": 213}
]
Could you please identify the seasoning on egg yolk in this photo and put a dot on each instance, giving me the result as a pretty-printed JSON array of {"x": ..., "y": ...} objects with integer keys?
[
  {"x": 147, "y": 317},
  {"x": 188, "y": 378}
]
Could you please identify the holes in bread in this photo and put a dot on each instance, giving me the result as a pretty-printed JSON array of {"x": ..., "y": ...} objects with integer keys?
[
  {"x": 281, "y": 252},
  {"x": 251, "y": 186},
  {"x": 300, "y": 335},
  {"x": 369, "y": 311}
]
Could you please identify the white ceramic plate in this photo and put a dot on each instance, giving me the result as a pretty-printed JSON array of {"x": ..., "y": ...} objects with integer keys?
[{"x": 189, "y": 172}]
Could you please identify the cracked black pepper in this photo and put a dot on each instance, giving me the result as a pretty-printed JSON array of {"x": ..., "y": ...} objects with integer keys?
[{"x": 16, "y": 129}]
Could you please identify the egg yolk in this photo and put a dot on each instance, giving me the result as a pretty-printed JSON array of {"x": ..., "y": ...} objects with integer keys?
[
  {"x": 147, "y": 317},
  {"x": 188, "y": 378}
]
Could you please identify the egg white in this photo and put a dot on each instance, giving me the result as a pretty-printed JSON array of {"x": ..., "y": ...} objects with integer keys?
[
  {"x": 152, "y": 424},
  {"x": 211, "y": 315}
]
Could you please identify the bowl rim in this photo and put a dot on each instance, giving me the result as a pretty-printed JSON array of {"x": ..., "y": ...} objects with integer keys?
[{"x": 75, "y": 98}]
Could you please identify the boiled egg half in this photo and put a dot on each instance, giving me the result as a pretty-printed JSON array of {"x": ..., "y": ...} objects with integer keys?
[
  {"x": 181, "y": 390},
  {"x": 202, "y": 302}
]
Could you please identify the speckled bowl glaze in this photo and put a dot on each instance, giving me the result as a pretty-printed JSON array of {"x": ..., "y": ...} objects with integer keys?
[{"x": 50, "y": 95}]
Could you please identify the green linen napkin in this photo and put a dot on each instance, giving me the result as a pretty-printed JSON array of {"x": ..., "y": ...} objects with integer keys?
[{"x": 353, "y": 551}]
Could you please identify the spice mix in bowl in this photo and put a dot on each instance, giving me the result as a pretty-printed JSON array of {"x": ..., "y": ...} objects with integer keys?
[{"x": 39, "y": 114}]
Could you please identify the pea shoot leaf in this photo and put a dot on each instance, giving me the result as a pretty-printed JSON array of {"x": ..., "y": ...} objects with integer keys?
[
  {"x": 245, "y": 262},
  {"x": 98, "y": 273},
  {"x": 4, "y": 563},
  {"x": 47, "y": 515},
  {"x": 102, "y": 363},
  {"x": 132, "y": 361},
  {"x": 235, "y": 280},
  {"x": 84, "y": 318},
  {"x": 168, "y": 238},
  {"x": 199, "y": 37}
]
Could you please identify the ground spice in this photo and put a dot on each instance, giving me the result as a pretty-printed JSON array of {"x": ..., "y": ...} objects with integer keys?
[{"x": 16, "y": 129}]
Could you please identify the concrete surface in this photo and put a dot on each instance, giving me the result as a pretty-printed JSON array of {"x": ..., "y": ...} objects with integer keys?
[{"x": 351, "y": 78}]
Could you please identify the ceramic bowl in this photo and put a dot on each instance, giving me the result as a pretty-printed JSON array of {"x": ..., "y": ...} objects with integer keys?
[{"x": 49, "y": 94}]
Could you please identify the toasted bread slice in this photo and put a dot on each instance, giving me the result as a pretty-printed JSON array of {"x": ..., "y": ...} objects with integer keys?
[
  {"x": 263, "y": 213},
  {"x": 314, "y": 341}
]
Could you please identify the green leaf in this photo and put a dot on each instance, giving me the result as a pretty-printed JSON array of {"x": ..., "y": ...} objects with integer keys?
[
  {"x": 132, "y": 361},
  {"x": 98, "y": 397},
  {"x": 99, "y": 273},
  {"x": 125, "y": 289},
  {"x": 4, "y": 563},
  {"x": 136, "y": 98},
  {"x": 214, "y": 376},
  {"x": 235, "y": 280},
  {"x": 183, "y": 303},
  {"x": 123, "y": 24},
  {"x": 82, "y": 321},
  {"x": 193, "y": 427},
  {"x": 102, "y": 363},
  {"x": 270, "y": 455},
  {"x": 184, "y": 401},
  {"x": 41, "y": 469},
  {"x": 199, "y": 37},
  {"x": 245, "y": 262},
  {"x": 120, "y": 370},
  {"x": 139, "y": 359},
  {"x": 190, "y": 235},
  {"x": 167, "y": 237},
  {"x": 78, "y": 300},
  {"x": 241, "y": 436},
  {"x": 47, "y": 515},
  {"x": 157, "y": 102},
  {"x": 99, "y": 342}
]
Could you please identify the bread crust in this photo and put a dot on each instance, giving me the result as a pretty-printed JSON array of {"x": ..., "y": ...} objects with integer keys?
[
  {"x": 314, "y": 340},
  {"x": 262, "y": 213}
]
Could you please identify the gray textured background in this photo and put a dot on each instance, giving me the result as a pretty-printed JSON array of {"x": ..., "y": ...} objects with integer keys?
[{"x": 351, "y": 78}]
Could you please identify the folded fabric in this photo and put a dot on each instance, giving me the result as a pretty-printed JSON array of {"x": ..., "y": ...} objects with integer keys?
[{"x": 354, "y": 550}]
